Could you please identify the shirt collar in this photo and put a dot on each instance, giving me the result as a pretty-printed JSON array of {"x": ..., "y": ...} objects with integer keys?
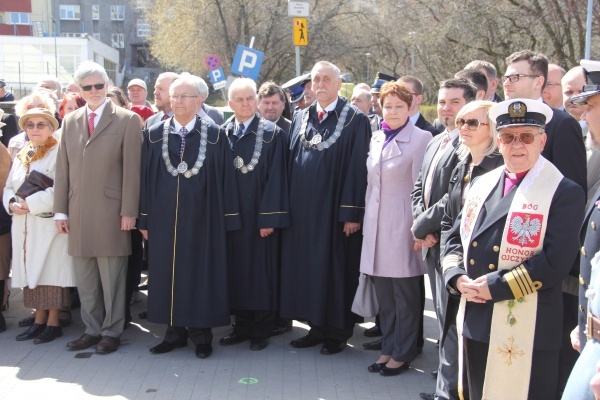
[
  {"x": 246, "y": 124},
  {"x": 189, "y": 126},
  {"x": 453, "y": 134},
  {"x": 415, "y": 117},
  {"x": 329, "y": 108},
  {"x": 98, "y": 111}
]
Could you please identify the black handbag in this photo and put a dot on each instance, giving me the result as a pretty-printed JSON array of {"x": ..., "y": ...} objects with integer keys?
[{"x": 35, "y": 182}]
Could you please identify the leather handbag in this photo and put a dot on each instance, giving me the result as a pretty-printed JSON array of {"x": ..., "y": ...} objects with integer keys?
[
  {"x": 365, "y": 301},
  {"x": 35, "y": 182}
]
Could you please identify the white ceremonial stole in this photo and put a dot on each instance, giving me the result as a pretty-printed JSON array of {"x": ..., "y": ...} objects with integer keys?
[{"x": 512, "y": 331}]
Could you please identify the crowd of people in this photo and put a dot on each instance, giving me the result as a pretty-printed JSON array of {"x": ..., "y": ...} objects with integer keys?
[{"x": 273, "y": 215}]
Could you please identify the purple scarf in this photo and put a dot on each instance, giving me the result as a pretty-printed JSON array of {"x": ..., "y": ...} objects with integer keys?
[{"x": 390, "y": 133}]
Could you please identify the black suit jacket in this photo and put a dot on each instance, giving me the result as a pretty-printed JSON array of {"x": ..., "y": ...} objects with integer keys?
[
  {"x": 426, "y": 126},
  {"x": 155, "y": 119},
  {"x": 565, "y": 148},
  {"x": 284, "y": 124},
  {"x": 10, "y": 130},
  {"x": 549, "y": 267}
]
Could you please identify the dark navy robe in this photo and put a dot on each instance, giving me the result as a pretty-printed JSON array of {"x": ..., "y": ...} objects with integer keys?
[
  {"x": 320, "y": 265},
  {"x": 254, "y": 261},
  {"x": 187, "y": 220}
]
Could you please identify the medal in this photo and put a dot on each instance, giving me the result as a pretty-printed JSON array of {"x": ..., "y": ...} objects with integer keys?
[
  {"x": 317, "y": 142},
  {"x": 316, "y": 139},
  {"x": 238, "y": 162},
  {"x": 182, "y": 167}
]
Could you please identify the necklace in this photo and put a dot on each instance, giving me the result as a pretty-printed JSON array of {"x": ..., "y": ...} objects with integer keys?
[
  {"x": 238, "y": 162},
  {"x": 316, "y": 141},
  {"x": 182, "y": 168}
]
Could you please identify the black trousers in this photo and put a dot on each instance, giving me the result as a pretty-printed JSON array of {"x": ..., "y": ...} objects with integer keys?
[
  {"x": 181, "y": 333},
  {"x": 330, "y": 332},
  {"x": 134, "y": 269},
  {"x": 544, "y": 371},
  {"x": 255, "y": 323}
]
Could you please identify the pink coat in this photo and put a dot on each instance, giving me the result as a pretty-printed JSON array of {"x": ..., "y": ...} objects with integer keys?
[{"x": 387, "y": 248}]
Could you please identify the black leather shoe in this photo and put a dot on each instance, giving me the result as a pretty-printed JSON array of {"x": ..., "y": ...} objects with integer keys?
[
  {"x": 2, "y": 323},
  {"x": 48, "y": 335},
  {"x": 376, "y": 367},
  {"x": 434, "y": 374},
  {"x": 165, "y": 347},
  {"x": 373, "y": 332},
  {"x": 281, "y": 329},
  {"x": 427, "y": 396},
  {"x": 107, "y": 345},
  {"x": 258, "y": 343},
  {"x": 232, "y": 338},
  {"x": 386, "y": 371},
  {"x": 306, "y": 341},
  {"x": 204, "y": 350},
  {"x": 84, "y": 342},
  {"x": 34, "y": 331},
  {"x": 331, "y": 347},
  {"x": 376, "y": 345}
]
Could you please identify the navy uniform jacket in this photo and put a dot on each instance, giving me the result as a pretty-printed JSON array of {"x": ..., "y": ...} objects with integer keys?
[
  {"x": 591, "y": 245},
  {"x": 549, "y": 267}
]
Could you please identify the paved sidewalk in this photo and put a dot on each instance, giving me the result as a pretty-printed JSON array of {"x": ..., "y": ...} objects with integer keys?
[{"x": 49, "y": 371}]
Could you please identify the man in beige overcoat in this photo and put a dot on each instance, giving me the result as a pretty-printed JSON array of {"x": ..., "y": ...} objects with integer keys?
[{"x": 96, "y": 200}]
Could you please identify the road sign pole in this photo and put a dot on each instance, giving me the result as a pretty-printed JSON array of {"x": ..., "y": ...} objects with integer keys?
[{"x": 297, "y": 60}]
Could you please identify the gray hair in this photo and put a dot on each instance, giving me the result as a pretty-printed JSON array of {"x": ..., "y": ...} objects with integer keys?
[
  {"x": 241, "y": 83},
  {"x": 87, "y": 69},
  {"x": 192, "y": 80},
  {"x": 43, "y": 96},
  {"x": 57, "y": 85},
  {"x": 327, "y": 64},
  {"x": 463, "y": 151}
]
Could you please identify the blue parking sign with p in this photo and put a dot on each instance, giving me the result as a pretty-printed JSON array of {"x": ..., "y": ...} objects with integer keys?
[
  {"x": 217, "y": 75},
  {"x": 247, "y": 62}
]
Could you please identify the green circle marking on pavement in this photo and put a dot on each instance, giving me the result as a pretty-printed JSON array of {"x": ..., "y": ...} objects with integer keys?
[{"x": 248, "y": 381}]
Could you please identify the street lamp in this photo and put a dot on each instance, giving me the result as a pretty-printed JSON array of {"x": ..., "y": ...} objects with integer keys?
[{"x": 368, "y": 55}]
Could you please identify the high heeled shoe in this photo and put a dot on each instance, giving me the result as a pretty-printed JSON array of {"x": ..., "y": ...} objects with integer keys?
[
  {"x": 376, "y": 367},
  {"x": 5, "y": 306}
]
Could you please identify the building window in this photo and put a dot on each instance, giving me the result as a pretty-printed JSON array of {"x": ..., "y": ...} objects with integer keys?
[
  {"x": 117, "y": 13},
  {"x": 70, "y": 12},
  {"x": 19, "y": 18},
  {"x": 143, "y": 28},
  {"x": 118, "y": 40},
  {"x": 111, "y": 70},
  {"x": 95, "y": 12}
]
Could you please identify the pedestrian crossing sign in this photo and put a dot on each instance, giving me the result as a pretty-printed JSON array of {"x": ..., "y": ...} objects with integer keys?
[{"x": 300, "y": 32}]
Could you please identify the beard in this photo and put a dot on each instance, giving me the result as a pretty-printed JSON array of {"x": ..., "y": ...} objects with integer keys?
[{"x": 590, "y": 143}]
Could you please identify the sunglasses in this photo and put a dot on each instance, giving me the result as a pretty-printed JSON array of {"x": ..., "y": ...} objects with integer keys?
[
  {"x": 472, "y": 123},
  {"x": 31, "y": 126},
  {"x": 97, "y": 86},
  {"x": 525, "y": 137}
]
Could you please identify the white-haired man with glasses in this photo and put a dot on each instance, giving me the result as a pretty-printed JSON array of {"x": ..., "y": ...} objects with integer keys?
[{"x": 96, "y": 200}]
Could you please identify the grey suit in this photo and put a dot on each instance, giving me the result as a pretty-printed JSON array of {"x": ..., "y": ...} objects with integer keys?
[
  {"x": 215, "y": 114},
  {"x": 429, "y": 220}
]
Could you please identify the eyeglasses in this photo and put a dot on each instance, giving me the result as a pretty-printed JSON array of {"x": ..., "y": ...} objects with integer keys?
[
  {"x": 182, "y": 96},
  {"x": 515, "y": 77},
  {"x": 31, "y": 126},
  {"x": 97, "y": 86},
  {"x": 472, "y": 123},
  {"x": 524, "y": 137}
]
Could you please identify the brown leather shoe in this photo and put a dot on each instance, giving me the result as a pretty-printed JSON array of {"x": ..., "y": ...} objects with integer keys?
[
  {"x": 84, "y": 342},
  {"x": 107, "y": 345}
]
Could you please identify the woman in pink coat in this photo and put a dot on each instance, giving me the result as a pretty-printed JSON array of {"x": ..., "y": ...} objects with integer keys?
[{"x": 389, "y": 252}]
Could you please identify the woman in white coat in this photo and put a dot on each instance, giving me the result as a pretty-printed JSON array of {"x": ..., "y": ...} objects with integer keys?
[
  {"x": 389, "y": 252},
  {"x": 41, "y": 264}
]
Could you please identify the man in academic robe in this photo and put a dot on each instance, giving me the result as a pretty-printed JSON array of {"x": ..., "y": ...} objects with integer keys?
[
  {"x": 188, "y": 202},
  {"x": 328, "y": 180},
  {"x": 254, "y": 251},
  {"x": 507, "y": 255}
]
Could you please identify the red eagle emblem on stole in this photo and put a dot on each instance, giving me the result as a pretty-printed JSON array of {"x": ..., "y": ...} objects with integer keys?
[{"x": 525, "y": 229}]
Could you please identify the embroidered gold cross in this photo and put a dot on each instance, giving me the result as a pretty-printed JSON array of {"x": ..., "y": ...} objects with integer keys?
[{"x": 510, "y": 350}]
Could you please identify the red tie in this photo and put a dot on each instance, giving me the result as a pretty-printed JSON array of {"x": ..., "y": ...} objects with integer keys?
[
  {"x": 322, "y": 115},
  {"x": 91, "y": 123},
  {"x": 166, "y": 117}
]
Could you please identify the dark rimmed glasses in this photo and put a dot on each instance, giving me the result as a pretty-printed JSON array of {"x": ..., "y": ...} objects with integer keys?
[
  {"x": 472, "y": 123},
  {"x": 524, "y": 137},
  {"x": 97, "y": 86},
  {"x": 515, "y": 77}
]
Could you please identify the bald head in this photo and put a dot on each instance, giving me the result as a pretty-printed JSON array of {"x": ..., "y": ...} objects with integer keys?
[
  {"x": 361, "y": 98},
  {"x": 552, "y": 93},
  {"x": 572, "y": 84}
]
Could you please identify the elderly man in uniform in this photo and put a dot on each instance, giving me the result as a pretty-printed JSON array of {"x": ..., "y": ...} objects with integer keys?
[
  {"x": 188, "y": 203},
  {"x": 506, "y": 256},
  {"x": 321, "y": 249},
  {"x": 96, "y": 201},
  {"x": 259, "y": 150},
  {"x": 586, "y": 336}
]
